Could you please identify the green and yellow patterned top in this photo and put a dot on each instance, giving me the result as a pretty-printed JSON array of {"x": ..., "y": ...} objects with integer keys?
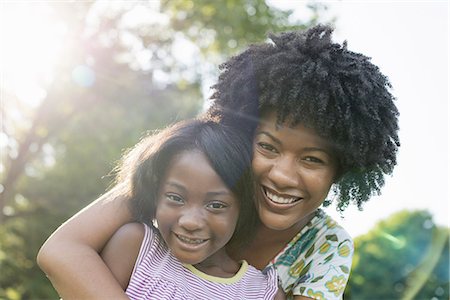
[{"x": 316, "y": 263}]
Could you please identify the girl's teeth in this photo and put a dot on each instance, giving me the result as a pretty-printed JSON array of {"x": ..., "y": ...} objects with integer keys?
[
  {"x": 190, "y": 241},
  {"x": 279, "y": 199}
]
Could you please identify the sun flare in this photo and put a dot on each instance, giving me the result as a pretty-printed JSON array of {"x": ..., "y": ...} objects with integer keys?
[{"x": 30, "y": 44}]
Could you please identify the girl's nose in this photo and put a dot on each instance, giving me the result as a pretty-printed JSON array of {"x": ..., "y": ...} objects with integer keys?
[
  {"x": 283, "y": 173},
  {"x": 191, "y": 219}
]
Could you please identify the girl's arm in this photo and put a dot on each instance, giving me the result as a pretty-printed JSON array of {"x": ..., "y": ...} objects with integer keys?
[{"x": 70, "y": 257}]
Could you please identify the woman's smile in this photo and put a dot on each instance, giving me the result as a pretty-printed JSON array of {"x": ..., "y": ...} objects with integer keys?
[
  {"x": 294, "y": 168},
  {"x": 279, "y": 198}
]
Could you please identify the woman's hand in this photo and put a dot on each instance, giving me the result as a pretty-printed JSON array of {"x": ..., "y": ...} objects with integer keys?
[{"x": 280, "y": 295}]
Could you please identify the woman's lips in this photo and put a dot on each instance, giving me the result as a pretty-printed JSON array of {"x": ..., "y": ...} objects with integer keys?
[{"x": 279, "y": 199}]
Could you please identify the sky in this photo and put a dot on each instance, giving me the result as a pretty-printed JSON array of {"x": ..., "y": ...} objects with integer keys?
[{"x": 409, "y": 41}]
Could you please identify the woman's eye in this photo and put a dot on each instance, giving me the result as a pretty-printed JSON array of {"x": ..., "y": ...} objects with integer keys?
[
  {"x": 313, "y": 159},
  {"x": 267, "y": 147}
]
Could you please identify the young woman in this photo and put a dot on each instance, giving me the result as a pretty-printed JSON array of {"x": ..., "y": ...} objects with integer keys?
[
  {"x": 193, "y": 179},
  {"x": 322, "y": 118}
]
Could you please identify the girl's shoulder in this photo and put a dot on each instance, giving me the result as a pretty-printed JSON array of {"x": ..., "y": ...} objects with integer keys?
[
  {"x": 131, "y": 232},
  {"x": 122, "y": 250}
]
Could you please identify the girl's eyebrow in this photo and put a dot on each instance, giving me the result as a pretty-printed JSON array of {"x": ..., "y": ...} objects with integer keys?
[
  {"x": 218, "y": 193},
  {"x": 175, "y": 185},
  {"x": 184, "y": 189}
]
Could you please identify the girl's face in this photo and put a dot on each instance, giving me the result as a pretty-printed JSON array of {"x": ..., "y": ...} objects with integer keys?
[
  {"x": 294, "y": 169},
  {"x": 196, "y": 212}
]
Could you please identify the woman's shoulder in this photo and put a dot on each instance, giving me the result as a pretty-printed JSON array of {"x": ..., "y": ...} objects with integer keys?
[
  {"x": 327, "y": 228},
  {"x": 321, "y": 227},
  {"x": 322, "y": 239},
  {"x": 317, "y": 260}
]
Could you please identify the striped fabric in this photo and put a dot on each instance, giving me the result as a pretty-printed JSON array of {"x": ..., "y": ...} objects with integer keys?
[{"x": 159, "y": 275}]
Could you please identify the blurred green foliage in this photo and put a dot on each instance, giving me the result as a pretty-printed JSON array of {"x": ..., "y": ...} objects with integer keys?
[
  {"x": 405, "y": 256},
  {"x": 103, "y": 98},
  {"x": 120, "y": 75}
]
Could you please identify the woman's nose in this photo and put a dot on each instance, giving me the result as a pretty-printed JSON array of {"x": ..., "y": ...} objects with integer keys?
[
  {"x": 283, "y": 173},
  {"x": 191, "y": 219}
]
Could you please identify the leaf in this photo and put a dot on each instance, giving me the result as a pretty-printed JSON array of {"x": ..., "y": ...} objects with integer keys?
[
  {"x": 344, "y": 269},
  {"x": 329, "y": 257},
  {"x": 305, "y": 269},
  {"x": 317, "y": 279},
  {"x": 332, "y": 237},
  {"x": 310, "y": 251}
]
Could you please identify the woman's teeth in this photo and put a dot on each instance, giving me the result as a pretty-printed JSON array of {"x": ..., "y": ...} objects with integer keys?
[{"x": 280, "y": 199}]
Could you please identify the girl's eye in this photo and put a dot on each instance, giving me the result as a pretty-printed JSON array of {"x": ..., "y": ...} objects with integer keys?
[
  {"x": 174, "y": 198},
  {"x": 216, "y": 205},
  {"x": 267, "y": 147}
]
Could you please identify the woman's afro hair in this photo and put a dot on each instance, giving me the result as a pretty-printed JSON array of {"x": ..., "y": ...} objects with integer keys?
[{"x": 307, "y": 78}]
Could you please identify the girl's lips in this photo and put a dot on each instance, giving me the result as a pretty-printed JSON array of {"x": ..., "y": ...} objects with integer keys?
[
  {"x": 190, "y": 243},
  {"x": 190, "y": 240},
  {"x": 279, "y": 201}
]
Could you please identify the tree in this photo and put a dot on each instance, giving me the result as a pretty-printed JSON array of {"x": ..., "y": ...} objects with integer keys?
[
  {"x": 403, "y": 257},
  {"x": 120, "y": 74}
]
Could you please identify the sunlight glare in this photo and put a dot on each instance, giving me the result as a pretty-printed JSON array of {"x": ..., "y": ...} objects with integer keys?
[{"x": 31, "y": 42}]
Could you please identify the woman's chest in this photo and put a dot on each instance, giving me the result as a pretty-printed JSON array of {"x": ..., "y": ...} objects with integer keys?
[{"x": 259, "y": 254}]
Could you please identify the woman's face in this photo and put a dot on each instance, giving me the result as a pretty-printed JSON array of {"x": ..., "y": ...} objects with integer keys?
[{"x": 294, "y": 169}]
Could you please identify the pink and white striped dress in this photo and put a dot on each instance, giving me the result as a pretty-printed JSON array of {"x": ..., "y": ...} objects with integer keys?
[{"x": 158, "y": 275}]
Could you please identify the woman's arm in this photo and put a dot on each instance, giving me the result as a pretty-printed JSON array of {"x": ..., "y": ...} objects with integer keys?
[{"x": 70, "y": 257}]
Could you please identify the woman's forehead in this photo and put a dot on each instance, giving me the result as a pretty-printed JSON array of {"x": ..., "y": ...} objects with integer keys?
[
  {"x": 270, "y": 119},
  {"x": 269, "y": 122}
]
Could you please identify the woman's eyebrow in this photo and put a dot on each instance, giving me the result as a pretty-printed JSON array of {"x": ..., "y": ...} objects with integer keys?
[
  {"x": 277, "y": 141},
  {"x": 269, "y": 135},
  {"x": 324, "y": 150}
]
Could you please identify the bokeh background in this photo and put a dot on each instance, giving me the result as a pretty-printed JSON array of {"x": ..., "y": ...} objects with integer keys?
[{"x": 81, "y": 81}]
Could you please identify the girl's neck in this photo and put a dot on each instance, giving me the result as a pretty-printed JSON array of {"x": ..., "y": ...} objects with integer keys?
[{"x": 220, "y": 264}]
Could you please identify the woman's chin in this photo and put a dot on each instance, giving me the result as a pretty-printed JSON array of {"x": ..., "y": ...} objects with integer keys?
[{"x": 275, "y": 221}]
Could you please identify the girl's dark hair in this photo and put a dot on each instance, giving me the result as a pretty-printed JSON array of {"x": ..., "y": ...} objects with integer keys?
[
  {"x": 308, "y": 79},
  {"x": 228, "y": 151}
]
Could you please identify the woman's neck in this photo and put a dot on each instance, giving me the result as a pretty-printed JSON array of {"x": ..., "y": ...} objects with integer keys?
[{"x": 267, "y": 243}]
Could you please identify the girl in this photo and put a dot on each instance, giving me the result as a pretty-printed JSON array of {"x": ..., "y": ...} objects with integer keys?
[
  {"x": 193, "y": 179},
  {"x": 322, "y": 118}
]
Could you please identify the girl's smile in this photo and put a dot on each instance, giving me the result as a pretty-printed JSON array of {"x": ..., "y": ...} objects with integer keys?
[
  {"x": 294, "y": 169},
  {"x": 196, "y": 212}
]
